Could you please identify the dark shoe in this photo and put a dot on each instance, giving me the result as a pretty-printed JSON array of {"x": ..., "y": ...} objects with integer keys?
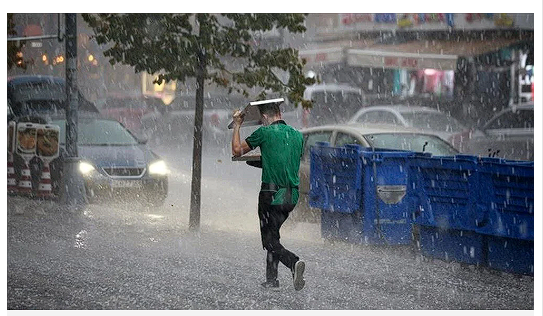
[
  {"x": 270, "y": 284},
  {"x": 298, "y": 275}
]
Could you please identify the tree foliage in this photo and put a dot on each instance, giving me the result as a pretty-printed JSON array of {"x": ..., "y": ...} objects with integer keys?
[
  {"x": 173, "y": 45},
  {"x": 13, "y": 47}
]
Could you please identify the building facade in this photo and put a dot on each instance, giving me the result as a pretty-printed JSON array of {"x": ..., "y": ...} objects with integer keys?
[{"x": 468, "y": 61}]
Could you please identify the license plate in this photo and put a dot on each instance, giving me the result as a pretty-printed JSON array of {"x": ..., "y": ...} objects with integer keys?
[{"x": 126, "y": 184}]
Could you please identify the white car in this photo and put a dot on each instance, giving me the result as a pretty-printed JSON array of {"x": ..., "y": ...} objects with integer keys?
[
  {"x": 377, "y": 136},
  {"x": 423, "y": 118},
  {"x": 332, "y": 104}
]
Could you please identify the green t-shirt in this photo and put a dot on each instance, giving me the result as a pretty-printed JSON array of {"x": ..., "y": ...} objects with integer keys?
[{"x": 281, "y": 150}]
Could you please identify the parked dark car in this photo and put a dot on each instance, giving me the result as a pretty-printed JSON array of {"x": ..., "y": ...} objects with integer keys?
[{"x": 41, "y": 96}]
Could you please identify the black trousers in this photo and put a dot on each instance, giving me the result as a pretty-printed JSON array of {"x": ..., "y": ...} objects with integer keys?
[{"x": 271, "y": 218}]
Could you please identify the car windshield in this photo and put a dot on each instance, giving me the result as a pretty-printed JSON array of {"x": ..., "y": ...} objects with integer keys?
[
  {"x": 413, "y": 142},
  {"x": 433, "y": 121},
  {"x": 334, "y": 107},
  {"x": 98, "y": 132},
  {"x": 41, "y": 90},
  {"x": 38, "y": 107}
]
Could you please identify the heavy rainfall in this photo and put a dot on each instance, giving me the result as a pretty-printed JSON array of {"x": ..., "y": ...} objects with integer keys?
[{"x": 415, "y": 179}]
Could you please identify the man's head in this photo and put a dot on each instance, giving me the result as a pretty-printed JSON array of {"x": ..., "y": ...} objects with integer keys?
[{"x": 269, "y": 113}]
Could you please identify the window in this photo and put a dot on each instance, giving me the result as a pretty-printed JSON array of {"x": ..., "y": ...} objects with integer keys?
[
  {"x": 344, "y": 139},
  {"x": 378, "y": 117},
  {"x": 311, "y": 139},
  {"x": 523, "y": 119}
]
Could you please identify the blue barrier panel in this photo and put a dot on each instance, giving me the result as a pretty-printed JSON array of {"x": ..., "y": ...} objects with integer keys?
[
  {"x": 361, "y": 190},
  {"x": 335, "y": 180},
  {"x": 386, "y": 217},
  {"x": 510, "y": 255},
  {"x": 318, "y": 181},
  {"x": 452, "y": 245},
  {"x": 444, "y": 192},
  {"x": 507, "y": 192}
]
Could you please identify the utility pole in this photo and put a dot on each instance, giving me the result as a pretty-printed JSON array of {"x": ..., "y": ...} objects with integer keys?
[{"x": 72, "y": 187}]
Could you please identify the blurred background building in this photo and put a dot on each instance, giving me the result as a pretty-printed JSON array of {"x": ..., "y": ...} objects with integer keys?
[{"x": 469, "y": 62}]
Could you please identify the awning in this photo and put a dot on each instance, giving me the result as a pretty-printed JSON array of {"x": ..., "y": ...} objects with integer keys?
[
  {"x": 331, "y": 55},
  {"x": 384, "y": 59},
  {"x": 437, "y": 54}
]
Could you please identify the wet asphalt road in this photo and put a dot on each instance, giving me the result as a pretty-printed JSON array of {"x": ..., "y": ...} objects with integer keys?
[{"x": 127, "y": 256}]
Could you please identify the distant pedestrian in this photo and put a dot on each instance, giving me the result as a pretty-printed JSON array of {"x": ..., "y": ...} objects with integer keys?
[{"x": 281, "y": 150}]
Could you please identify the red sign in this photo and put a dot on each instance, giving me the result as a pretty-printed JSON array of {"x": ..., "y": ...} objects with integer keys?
[
  {"x": 351, "y": 18},
  {"x": 391, "y": 61},
  {"x": 320, "y": 57},
  {"x": 401, "y": 62},
  {"x": 409, "y": 62}
]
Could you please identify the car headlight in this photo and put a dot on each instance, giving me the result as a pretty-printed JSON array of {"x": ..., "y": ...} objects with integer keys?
[
  {"x": 158, "y": 167},
  {"x": 85, "y": 168}
]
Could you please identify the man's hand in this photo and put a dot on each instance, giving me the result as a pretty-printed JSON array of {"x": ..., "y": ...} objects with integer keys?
[
  {"x": 238, "y": 147},
  {"x": 238, "y": 117}
]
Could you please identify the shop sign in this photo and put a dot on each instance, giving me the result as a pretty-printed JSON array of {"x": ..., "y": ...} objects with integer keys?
[
  {"x": 495, "y": 20},
  {"x": 432, "y": 21},
  {"x": 372, "y": 21},
  {"x": 401, "y": 62},
  {"x": 499, "y": 19},
  {"x": 354, "y": 18},
  {"x": 389, "y": 18},
  {"x": 415, "y": 19}
]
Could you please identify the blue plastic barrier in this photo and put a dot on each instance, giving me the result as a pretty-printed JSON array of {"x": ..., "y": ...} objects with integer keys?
[
  {"x": 452, "y": 245},
  {"x": 510, "y": 255},
  {"x": 444, "y": 192},
  {"x": 468, "y": 209},
  {"x": 361, "y": 190},
  {"x": 507, "y": 192},
  {"x": 386, "y": 217},
  {"x": 335, "y": 182}
]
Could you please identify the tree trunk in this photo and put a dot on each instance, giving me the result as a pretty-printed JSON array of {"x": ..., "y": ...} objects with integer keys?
[{"x": 195, "y": 196}]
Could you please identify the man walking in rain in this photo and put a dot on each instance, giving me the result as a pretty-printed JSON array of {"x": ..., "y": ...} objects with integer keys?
[{"x": 281, "y": 150}]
